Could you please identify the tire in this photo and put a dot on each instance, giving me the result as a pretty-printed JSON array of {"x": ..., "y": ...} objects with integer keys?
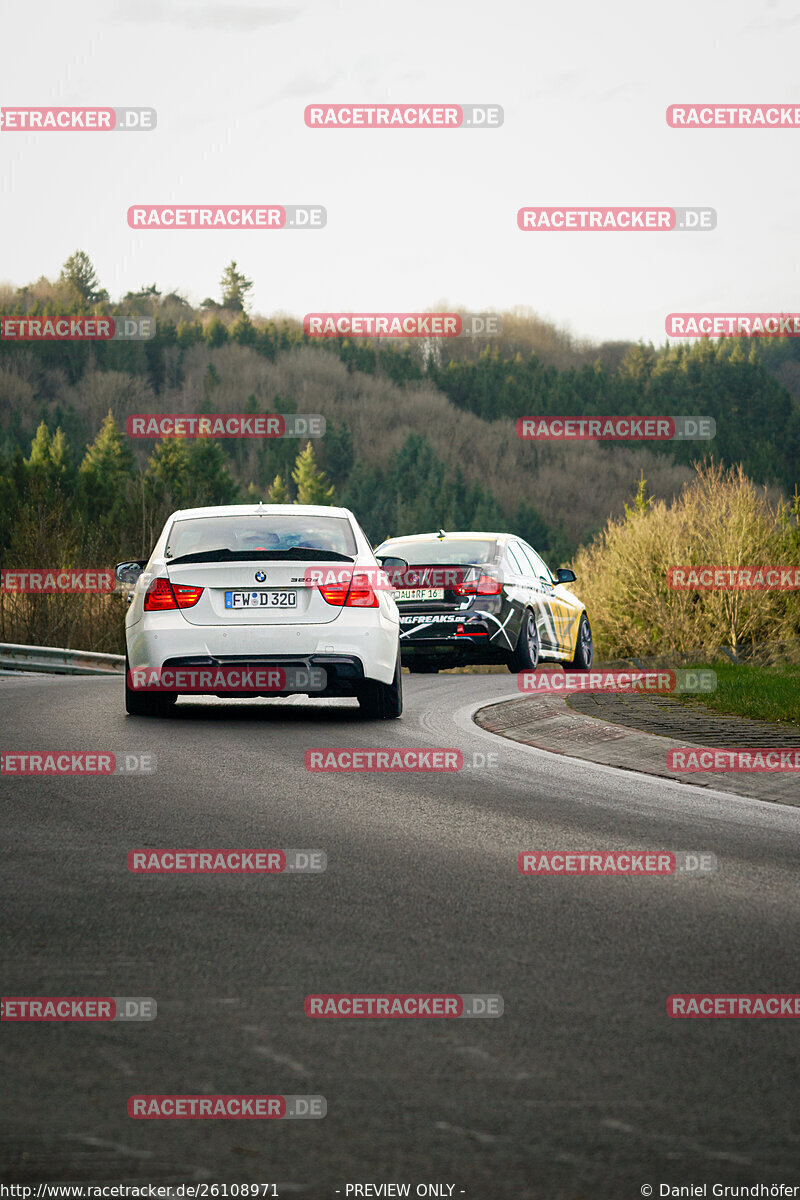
[
  {"x": 382, "y": 701},
  {"x": 147, "y": 704},
  {"x": 423, "y": 666},
  {"x": 526, "y": 651},
  {"x": 584, "y": 649}
]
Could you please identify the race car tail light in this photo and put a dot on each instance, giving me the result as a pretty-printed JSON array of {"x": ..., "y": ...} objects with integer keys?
[
  {"x": 334, "y": 593},
  {"x": 485, "y": 585},
  {"x": 159, "y": 596},
  {"x": 186, "y": 596},
  {"x": 358, "y": 593},
  {"x": 163, "y": 595},
  {"x": 361, "y": 594},
  {"x": 489, "y": 586}
]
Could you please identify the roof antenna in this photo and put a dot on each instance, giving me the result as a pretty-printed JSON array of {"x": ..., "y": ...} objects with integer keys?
[{"x": 442, "y": 533}]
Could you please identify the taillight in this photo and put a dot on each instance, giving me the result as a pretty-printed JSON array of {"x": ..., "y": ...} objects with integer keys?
[
  {"x": 488, "y": 586},
  {"x": 186, "y": 596},
  {"x": 163, "y": 595},
  {"x": 361, "y": 594},
  {"x": 333, "y": 593},
  {"x": 159, "y": 596},
  {"x": 485, "y": 585},
  {"x": 357, "y": 594}
]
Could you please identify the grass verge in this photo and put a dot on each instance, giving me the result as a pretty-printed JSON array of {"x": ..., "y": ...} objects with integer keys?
[{"x": 763, "y": 693}]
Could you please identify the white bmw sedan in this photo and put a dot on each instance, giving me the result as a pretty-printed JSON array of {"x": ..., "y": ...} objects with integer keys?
[{"x": 261, "y": 599}]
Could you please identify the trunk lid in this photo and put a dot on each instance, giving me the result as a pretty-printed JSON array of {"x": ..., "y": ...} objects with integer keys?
[{"x": 244, "y": 586}]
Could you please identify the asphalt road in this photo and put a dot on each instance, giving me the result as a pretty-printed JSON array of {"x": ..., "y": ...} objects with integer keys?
[{"x": 584, "y": 1088}]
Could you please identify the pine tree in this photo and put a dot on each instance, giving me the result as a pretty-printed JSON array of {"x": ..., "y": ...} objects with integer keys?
[
  {"x": 106, "y": 470},
  {"x": 339, "y": 454},
  {"x": 235, "y": 287},
  {"x": 210, "y": 479},
  {"x": 641, "y": 501},
  {"x": 243, "y": 331},
  {"x": 50, "y": 462},
  {"x": 40, "y": 449},
  {"x": 278, "y": 492},
  {"x": 108, "y": 458},
  {"x": 215, "y": 333},
  {"x": 79, "y": 274},
  {"x": 167, "y": 476},
  {"x": 60, "y": 455},
  {"x": 210, "y": 383},
  {"x": 312, "y": 484}
]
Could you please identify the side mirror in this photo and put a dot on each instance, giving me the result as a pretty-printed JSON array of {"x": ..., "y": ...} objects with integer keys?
[
  {"x": 129, "y": 572},
  {"x": 564, "y": 575},
  {"x": 395, "y": 568}
]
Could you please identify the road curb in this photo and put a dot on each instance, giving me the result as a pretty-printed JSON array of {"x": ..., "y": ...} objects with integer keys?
[{"x": 547, "y": 723}]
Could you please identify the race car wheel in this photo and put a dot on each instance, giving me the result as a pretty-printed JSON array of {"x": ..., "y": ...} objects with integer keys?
[
  {"x": 382, "y": 701},
  {"x": 526, "y": 651},
  {"x": 146, "y": 704},
  {"x": 584, "y": 650}
]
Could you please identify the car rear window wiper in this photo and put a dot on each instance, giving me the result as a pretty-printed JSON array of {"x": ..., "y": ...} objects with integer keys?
[{"x": 302, "y": 553}]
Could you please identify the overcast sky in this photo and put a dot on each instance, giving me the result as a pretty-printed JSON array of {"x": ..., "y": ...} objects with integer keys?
[{"x": 415, "y": 218}]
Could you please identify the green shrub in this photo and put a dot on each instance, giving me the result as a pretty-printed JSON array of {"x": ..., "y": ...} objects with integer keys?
[{"x": 720, "y": 518}]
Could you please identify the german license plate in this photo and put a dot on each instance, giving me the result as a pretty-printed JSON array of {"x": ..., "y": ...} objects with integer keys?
[
  {"x": 419, "y": 594},
  {"x": 251, "y": 600}
]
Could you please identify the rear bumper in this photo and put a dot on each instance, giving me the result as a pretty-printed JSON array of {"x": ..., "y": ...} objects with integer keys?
[
  {"x": 161, "y": 638},
  {"x": 454, "y": 643},
  {"x": 343, "y": 672},
  {"x": 453, "y": 637}
]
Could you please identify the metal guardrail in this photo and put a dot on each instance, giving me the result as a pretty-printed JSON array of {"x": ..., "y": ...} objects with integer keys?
[{"x": 56, "y": 661}]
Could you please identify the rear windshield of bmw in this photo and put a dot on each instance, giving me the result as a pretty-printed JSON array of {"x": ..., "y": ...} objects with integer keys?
[{"x": 274, "y": 536}]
